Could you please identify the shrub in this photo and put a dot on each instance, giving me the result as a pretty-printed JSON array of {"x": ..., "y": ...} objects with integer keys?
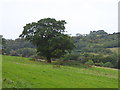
[
  {"x": 71, "y": 57},
  {"x": 90, "y": 62},
  {"x": 26, "y": 52},
  {"x": 97, "y": 64},
  {"x": 108, "y": 64},
  {"x": 13, "y": 53},
  {"x": 101, "y": 63}
]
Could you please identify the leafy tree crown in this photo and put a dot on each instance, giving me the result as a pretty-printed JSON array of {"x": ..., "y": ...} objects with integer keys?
[{"x": 48, "y": 36}]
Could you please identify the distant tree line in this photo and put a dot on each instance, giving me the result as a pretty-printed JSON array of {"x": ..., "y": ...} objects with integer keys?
[
  {"x": 92, "y": 48},
  {"x": 18, "y": 47},
  {"x": 91, "y": 59},
  {"x": 96, "y": 41}
]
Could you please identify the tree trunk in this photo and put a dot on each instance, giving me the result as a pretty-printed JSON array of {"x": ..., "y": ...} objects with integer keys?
[{"x": 48, "y": 60}]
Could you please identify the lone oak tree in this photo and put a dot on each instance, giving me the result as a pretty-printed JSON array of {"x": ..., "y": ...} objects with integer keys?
[{"x": 48, "y": 36}]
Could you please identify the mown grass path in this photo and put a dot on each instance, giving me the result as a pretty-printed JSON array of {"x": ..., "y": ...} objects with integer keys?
[{"x": 20, "y": 72}]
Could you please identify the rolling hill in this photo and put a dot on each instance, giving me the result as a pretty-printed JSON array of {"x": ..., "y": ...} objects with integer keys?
[{"x": 19, "y": 72}]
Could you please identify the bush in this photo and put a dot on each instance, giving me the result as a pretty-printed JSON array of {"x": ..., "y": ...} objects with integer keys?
[
  {"x": 71, "y": 57},
  {"x": 108, "y": 64},
  {"x": 90, "y": 62},
  {"x": 13, "y": 53},
  {"x": 99, "y": 64},
  {"x": 26, "y": 52}
]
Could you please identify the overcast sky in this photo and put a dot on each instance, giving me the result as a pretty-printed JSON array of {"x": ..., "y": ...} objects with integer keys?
[{"x": 82, "y": 16}]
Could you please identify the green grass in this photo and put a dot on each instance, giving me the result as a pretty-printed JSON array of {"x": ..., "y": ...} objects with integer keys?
[{"x": 19, "y": 72}]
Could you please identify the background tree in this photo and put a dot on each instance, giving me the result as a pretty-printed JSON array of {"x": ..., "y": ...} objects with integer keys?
[
  {"x": 16, "y": 44},
  {"x": 49, "y": 38},
  {"x": 26, "y": 52},
  {"x": 2, "y": 44}
]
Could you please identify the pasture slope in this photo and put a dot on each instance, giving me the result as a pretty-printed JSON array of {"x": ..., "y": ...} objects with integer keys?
[{"x": 19, "y": 72}]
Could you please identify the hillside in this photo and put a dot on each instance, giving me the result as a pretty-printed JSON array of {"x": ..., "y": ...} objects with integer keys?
[
  {"x": 19, "y": 72},
  {"x": 96, "y": 41},
  {"x": 96, "y": 48}
]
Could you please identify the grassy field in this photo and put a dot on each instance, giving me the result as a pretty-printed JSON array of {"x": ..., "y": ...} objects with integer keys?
[{"x": 20, "y": 72}]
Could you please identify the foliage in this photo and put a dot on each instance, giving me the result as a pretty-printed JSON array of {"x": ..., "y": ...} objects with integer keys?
[
  {"x": 108, "y": 64},
  {"x": 90, "y": 62},
  {"x": 26, "y": 52},
  {"x": 2, "y": 44},
  {"x": 99, "y": 64},
  {"x": 96, "y": 41},
  {"x": 99, "y": 32},
  {"x": 96, "y": 59},
  {"x": 70, "y": 57},
  {"x": 13, "y": 53},
  {"x": 49, "y": 38},
  {"x": 97, "y": 46},
  {"x": 13, "y": 45}
]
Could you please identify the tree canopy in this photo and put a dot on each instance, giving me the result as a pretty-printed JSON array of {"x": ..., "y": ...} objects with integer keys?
[{"x": 49, "y": 38}]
